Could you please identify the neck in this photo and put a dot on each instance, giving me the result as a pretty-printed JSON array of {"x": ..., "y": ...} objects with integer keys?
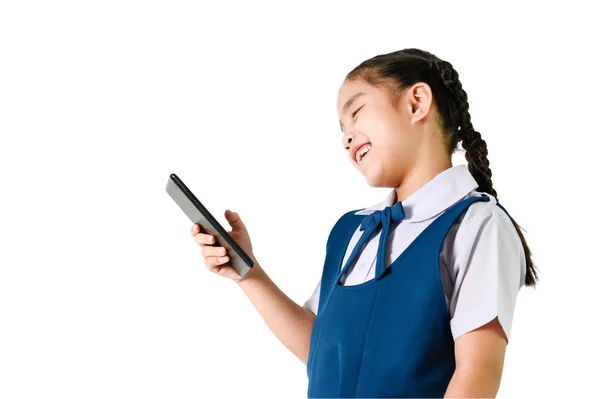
[{"x": 420, "y": 174}]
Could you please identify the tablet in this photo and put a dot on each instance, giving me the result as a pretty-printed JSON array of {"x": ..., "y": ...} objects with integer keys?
[{"x": 193, "y": 208}]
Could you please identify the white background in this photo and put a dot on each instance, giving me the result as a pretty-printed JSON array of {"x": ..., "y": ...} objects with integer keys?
[{"x": 104, "y": 293}]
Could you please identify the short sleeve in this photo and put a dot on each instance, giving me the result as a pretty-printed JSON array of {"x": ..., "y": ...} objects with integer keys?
[
  {"x": 488, "y": 264},
  {"x": 312, "y": 302}
]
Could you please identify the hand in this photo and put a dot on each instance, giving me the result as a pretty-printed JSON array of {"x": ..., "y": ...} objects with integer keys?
[{"x": 215, "y": 258}]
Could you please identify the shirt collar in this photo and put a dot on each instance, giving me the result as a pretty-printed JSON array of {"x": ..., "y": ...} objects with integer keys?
[{"x": 440, "y": 193}]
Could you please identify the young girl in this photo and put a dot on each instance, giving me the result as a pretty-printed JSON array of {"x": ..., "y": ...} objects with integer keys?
[{"x": 417, "y": 292}]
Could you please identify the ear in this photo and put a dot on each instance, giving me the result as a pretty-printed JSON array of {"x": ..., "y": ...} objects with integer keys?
[{"x": 419, "y": 99}]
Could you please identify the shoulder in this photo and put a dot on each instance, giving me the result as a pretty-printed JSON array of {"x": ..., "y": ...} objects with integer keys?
[
  {"x": 341, "y": 223},
  {"x": 486, "y": 215},
  {"x": 486, "y": 228}
]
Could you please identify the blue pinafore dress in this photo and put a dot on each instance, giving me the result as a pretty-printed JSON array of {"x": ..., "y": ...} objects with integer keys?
[{"x": 388, "y": 337}]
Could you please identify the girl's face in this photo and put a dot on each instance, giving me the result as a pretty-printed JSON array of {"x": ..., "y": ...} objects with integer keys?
[{"x": 395, "y": 135}]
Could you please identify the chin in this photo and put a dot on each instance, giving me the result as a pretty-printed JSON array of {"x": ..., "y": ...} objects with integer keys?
[
  {"x": 373, "y": 180},
  {"x": 375, "y": 184},
  {"x": 376, "y": 178}
]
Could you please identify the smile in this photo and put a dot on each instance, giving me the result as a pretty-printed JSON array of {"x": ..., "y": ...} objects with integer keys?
[{"x": 362, "y": 152}]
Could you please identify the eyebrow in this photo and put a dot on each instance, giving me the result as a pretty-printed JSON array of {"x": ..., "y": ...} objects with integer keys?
[{"x": 348, "y": 104}]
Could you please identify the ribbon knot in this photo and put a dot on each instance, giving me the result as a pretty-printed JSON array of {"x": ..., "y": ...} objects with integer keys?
[
  {"x": 369, "y": 224},
  {"x": 388, "y": 215}
]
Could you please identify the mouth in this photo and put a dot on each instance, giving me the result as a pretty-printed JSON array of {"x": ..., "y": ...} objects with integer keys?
[{"x": 362, "y": 152}]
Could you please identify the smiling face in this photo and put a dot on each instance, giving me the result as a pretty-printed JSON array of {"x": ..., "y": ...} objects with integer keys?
[{"x": 397, "y": 135}]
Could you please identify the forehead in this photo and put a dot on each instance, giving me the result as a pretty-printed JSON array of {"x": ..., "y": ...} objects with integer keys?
[{"x": 348, "y": 90}]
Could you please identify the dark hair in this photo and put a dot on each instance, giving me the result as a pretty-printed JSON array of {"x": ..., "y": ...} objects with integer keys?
[{"x": 399, "y": 70}]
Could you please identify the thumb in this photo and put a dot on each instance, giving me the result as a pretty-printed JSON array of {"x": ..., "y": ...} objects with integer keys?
[{"x": 234, "y": 220}]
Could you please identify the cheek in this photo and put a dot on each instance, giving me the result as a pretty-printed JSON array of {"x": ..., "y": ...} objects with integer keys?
[
  {"x": 389, "y": 140},
  {"x": 400, "y": 141},
  {"x": 393, "y": 150}
]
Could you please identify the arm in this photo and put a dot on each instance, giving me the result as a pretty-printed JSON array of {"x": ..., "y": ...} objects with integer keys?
[
  {"x": 291, "y": 323},
  {"x": 489, "y": 261},
  {"x": 479, "y": 362}
]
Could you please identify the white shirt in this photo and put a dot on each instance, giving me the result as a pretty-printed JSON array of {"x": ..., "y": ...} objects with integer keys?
[{"x": 482, "y": 261}]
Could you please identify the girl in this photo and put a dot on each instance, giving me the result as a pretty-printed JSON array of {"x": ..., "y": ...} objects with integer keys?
[{"x": 418, "y": 291}]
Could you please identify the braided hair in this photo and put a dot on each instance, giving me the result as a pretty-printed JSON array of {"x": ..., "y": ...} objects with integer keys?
[{"x": 399, "y": 70}]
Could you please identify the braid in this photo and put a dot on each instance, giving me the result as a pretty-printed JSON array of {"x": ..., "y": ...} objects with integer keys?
[
  {"x": 475, "y": 147},
  {"x": 476, "y": 150}
]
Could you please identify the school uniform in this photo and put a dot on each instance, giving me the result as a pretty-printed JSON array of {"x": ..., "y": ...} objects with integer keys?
[{"x": 387, "y": 319}]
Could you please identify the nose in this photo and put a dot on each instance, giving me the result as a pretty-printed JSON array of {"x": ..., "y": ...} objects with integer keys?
[{"x": 346, "y": 141}]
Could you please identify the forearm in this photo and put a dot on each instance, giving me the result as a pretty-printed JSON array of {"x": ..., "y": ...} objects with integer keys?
[
  {"x": 290, "y": 322},
  {"x": 473, "y": 384}
]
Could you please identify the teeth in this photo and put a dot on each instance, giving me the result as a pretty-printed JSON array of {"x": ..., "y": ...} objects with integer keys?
[{"x": 363, "y": 150}]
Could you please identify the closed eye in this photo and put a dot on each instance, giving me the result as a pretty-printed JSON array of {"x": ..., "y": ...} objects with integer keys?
[{"x": 355, "y": 112}]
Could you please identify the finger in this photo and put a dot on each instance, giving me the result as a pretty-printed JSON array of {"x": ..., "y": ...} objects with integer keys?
[
  {"x": 195, "y": 228},
  {"x": 214, "y": 261},
  {"x": 209, "y": 250},
  {"x": 204, "y": 239}
]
